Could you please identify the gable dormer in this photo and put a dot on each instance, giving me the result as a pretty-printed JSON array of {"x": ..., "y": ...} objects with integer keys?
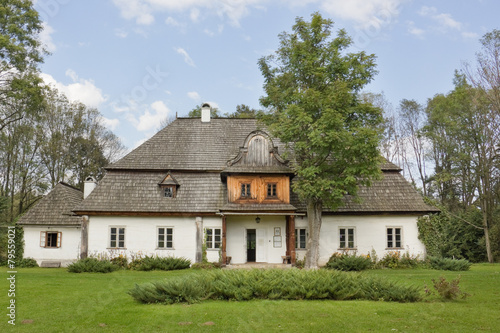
[
  {"x": 169, "y": 186},
  {"x": 258, "y": 174}
]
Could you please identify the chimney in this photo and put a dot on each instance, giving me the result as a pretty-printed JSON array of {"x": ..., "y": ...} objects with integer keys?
[
  {"x": 88, "y": 186},
  {"x": 205, "y": 113}
]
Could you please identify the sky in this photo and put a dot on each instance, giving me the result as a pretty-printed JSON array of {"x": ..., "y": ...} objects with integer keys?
[{"x": 142, "y": 61}]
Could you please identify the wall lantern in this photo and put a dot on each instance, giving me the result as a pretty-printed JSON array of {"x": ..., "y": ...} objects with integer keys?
[{"x": 257, "y": 219}]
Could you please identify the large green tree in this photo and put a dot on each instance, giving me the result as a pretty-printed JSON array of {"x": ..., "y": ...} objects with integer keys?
[
  {"x": 20, "y": 54},
  {"x": 312, "y": 87}
]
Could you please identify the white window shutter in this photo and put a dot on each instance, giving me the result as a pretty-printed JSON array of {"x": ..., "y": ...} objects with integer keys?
[
  {"x": 59, "y": 239},
  {"x": 42, "y": 238}
]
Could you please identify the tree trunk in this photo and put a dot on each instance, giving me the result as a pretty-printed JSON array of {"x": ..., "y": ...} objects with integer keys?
[
  {"x": 314, "y": 210},
  {"x": 487, "y": 234}
]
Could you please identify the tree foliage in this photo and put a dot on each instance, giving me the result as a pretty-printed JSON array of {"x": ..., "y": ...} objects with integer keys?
[
  {"x": 20, "y": 54},
  {"x": 312, "y": 90}
]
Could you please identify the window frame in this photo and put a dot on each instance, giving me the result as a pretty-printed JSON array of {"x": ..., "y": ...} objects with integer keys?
[
  {"x": 117, "y": 240},
  {"x": 44, "y": 239},
  {"x": 246, "y": 190},
  {"x": 210, "y": 240},
  {"x": 346, "y": 241},
  {"x": 165, "y": 240},
  {"x": 298, "y": 243},
  {"x": 274, "y": 190},
  {"x": 394, "y": 237}
]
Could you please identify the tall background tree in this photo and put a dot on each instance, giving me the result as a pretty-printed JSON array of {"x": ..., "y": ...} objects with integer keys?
[
  {"x": 20, "y": 54},
  {"x": 312, "y": 88}
]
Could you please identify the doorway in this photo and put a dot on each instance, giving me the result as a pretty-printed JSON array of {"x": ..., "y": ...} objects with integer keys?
[{"x": 251, "y": 242}]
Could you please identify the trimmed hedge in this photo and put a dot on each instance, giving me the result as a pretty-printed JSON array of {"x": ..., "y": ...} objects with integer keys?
[
  {"x": 149, "y": 263},
  {"x": 293, "y": 284},
  {"x": 348, "y": 262},
  {"x": 92, "y": 265},
  {"x": 448, "y": 264}
]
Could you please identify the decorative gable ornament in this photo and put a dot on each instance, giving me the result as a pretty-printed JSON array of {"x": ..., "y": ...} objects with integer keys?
[{"x": 258, "y": 151}]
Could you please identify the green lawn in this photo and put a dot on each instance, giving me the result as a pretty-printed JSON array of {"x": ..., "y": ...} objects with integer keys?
[{"x": 52, "y": 300}]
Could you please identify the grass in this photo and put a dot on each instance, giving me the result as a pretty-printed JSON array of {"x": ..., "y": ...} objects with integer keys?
[{"x": 53, "y": 300}]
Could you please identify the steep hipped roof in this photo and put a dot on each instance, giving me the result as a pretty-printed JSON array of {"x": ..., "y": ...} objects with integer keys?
[
  {"x": 391, "y": 194},
  {"x": 189, "y": 144},
  {"x": 55, "y": 208},
  {"x": 196, "y": 154},
  {"x": 127, "y": 192}
]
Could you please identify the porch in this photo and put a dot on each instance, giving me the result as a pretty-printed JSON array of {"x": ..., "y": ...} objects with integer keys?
[{"x": 258, "y": 240}]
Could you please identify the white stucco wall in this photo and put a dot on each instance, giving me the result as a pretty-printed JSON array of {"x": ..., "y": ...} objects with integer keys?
[
  {"x": 67, "y": 253},
  {"x": 141, "y": 236},
  {"x": 370, "y": 234},
  {"x": 236, "y": 231}
]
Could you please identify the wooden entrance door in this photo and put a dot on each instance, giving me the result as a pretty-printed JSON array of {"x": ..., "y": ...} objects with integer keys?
[{"x": 251, "y": 245}]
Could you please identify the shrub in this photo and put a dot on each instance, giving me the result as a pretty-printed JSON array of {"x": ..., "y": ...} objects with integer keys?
[
  {"x": 206, "y": 265},
  {"x": 348, "y": 262},
  {"x": 149, "y": 263},
  {"x": 447, "y": 290},
  {"x": 27, "y": 263},
  {"x": 92, "y": 265},
  {"x": 290, "y": 284},
  {"x": 120, "y": 261},
  {"x": 448, "y": 264},
  {"x": 394, "y": 259}
]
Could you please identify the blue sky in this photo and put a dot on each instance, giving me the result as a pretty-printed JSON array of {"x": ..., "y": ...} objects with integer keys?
[{"x": 140, "y": 61}]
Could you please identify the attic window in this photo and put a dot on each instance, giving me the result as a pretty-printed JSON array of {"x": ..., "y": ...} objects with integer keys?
[
  {"x": 271, "y": 190},
  {"x": 169, "y": 191},
  {"x": 245, "y": 190}
]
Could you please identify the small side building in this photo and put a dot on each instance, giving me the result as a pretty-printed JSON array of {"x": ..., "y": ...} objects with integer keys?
[{"x": 52, "y": 232}]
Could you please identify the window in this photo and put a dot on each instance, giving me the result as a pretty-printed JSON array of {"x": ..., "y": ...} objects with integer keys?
[
  {"x": 394, "y": 237},
  {"x": 117, "y": 237},
  {"x": 51, "y": 239},
  {"x": 271, "y": 190},
  {"x": 300, "y": 238},
  {"x": 346, "y": 238},
  {"x": 245, "y": 190},
  {"x": 165, "y": 238},
  {"x": 213, "y": 238},
  {"x": 168, "y": 192}
]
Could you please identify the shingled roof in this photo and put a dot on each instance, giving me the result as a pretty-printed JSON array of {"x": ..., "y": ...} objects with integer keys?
[
  {"x": 196, "y": 155},
  {"x": 56, "y": 208},
  {"x": 189, "y": 144}
]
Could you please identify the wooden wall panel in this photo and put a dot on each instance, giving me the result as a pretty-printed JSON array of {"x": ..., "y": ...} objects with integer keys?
[{"x": 258, "y": 189}]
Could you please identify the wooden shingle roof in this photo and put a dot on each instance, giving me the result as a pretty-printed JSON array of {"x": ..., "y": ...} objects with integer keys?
[
  {"x": 129, "y": 192},
  {"x": 189, "y": 144},
  {"x": 56, "y": 208},
  {"x": 196, "y": 155}
]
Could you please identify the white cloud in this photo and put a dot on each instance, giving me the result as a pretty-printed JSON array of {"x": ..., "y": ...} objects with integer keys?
[
  {"x": 143, "y": 10},
  {"x": 193, "y": 95},
  {"x": 187, "y": 58},
  {"x": 364, "y": 13},
  {"x": 46, "y": 37},
  {"x": 151, "y": 118},
  {"x": 82, "y": 90},
  {"x": 121, "y": 33},
  {"x": 445, "y": 22},
  {"x": 412, "y": 29},
  {"x": 111, "y": 124}
]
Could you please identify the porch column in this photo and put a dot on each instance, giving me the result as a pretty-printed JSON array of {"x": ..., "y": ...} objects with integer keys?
[
  {"x": 84, "y": 246},
  {"x": 290, "y": 235},
  {"x": 199, "y": 239},
  {"x": 223, "y": 240}
]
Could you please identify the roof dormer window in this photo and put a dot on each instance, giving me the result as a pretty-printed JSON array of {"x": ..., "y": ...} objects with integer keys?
[{"x": 169, "y": 186}]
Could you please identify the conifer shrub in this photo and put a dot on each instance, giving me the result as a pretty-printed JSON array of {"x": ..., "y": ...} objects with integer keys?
[
  {"x": 293, "y": 284},
  {"x": 448, "y": 264},
  {"x": 92, "y": 265},
  {"x": 348, "y": 262},
  {"x": 27, "y": 263},
  {"x": 394, "y": 259},
  {"x": 206, "y": 265},
  {"x": 149, "y": 263}
]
